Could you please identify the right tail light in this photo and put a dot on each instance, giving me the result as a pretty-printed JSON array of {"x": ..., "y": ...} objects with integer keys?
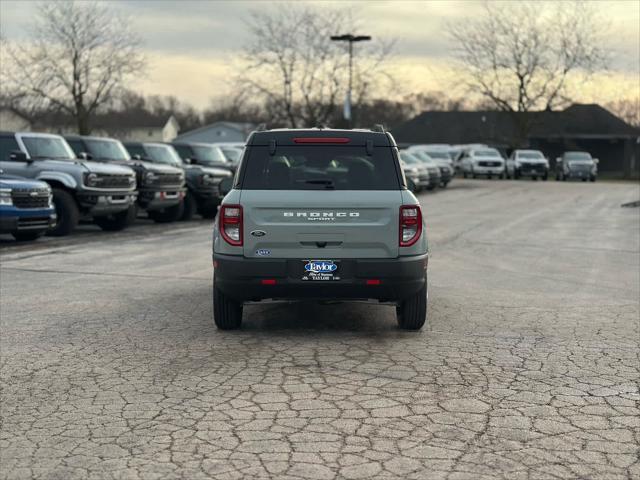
[
  {"x": 410, "y": 224},
  {"x": 231, "y": 224}
]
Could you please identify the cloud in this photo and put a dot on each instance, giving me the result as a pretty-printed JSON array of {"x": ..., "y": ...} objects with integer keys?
[{"x": 191, "y": 44}]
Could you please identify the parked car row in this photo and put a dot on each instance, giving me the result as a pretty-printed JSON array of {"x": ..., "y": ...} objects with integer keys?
[
  {"x": 425, "y": 169},
  {"x": 480, "y": 160},
  {"x": 104, "y": 181}
]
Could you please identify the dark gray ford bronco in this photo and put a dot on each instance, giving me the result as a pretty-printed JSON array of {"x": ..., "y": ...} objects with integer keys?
[
  {"x": 160, "y": 187},
  {"x": 203, "y": 192},
  {"x": 320, "y": 214}
]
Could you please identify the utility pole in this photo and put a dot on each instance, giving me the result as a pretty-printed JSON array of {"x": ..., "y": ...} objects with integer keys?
[{"x": 351, "y": 39}]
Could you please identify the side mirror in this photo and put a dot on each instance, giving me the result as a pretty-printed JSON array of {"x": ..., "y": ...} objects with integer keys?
[
  {"x": 596, "y": 161},
  {"x": 137, "y": 156},
  {"x": 226, "y": 185},
  {"x": 18, "y": 156},
  {"x": 190, "y": 161},
  {"x": 85, "y": 156}
]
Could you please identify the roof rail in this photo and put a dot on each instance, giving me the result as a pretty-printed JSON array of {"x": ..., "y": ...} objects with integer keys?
[
  {"x": 261, "y": 127},
  {"x": 378, "y": 127}
]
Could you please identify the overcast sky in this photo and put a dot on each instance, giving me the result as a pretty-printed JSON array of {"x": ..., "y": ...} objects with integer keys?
[{"x": 191, "y": 44}]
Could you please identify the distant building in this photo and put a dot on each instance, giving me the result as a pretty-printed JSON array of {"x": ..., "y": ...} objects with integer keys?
[
  {"x": 137, "y": 125},
  {"x": 587, "y": 127},
  {"x": 218, "y": 132}
]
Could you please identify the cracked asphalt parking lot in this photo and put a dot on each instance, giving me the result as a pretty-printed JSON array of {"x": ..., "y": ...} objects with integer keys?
[{"x": 529, "y": 367}]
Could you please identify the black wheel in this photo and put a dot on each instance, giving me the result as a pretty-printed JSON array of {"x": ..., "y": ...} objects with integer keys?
[
  {"x": 507, "y": 174},
  {"x": 516, "y": 174},
  {"x": 227, "y": 313},
  {"x": 488, "y": 177},
  {"x": 593, "y": 178},
  {"x": 117, "y": 221},
  {"x": 190, "y": 207},
  {"x": 431, "y": 187},
  {"x": 545, "y": 177},
  {"x": 557, "y": 177},
  {"x": 464, "y": 174},
  {"x": 412, "y": 313},
  {"x": 584, "y": 179},
  {"x": 27, "y": 236},
  {"x": 67, "y": 212},
  {"x": 169, "y": 214},
  {"x": 501, "y": 176},
  {"x": 444, "y": 184},
  {"x": 564, "y": 177},
  {"x": 534, "y": 178}
]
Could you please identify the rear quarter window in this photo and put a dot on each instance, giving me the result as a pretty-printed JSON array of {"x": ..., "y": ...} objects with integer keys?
[{"x": 320, "y": 168}]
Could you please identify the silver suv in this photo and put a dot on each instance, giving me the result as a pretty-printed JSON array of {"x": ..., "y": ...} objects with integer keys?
[{"x": 320, "y": 214}]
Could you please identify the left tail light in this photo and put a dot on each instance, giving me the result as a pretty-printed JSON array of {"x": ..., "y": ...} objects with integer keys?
[
  {"x": 231, "y": 224},
  {"x": 410, "y": 224}
]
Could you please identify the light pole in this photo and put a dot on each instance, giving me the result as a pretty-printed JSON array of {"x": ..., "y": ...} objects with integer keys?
[{"x": 351, "y": 39}]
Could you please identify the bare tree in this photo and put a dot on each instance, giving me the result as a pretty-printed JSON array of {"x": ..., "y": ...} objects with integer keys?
[
  {"x": 521, "y": 55},
  {"x": 77, "y": 59},
  {"x": 628, "y": 109},
  {"x": 297, "y": 72}
]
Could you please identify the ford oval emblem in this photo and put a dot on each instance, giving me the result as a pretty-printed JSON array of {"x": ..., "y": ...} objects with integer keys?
[
  {"x": 321, "y": 266},
  {"x": 258, "y": 233}
]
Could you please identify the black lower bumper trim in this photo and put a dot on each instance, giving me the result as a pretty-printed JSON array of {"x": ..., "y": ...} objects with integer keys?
[{"x": 390, "y": 280}]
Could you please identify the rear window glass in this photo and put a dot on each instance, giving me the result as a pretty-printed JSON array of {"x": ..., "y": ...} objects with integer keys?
[{"x": 320, "y": 168}]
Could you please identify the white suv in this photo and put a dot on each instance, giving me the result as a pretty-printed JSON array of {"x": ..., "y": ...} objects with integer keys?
[
  {"x": 482, "y": 161},
  {"x": 527, "y": 163}
]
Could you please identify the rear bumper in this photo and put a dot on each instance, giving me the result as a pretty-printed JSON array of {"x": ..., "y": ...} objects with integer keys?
[{"x": 241, "y": 278}]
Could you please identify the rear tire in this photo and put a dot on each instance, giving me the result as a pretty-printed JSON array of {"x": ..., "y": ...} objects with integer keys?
[
  {"x": 464, "y": 174},
  {"x": 169, "y": 214},
  {"x": 593, "y": 178},
  {"x": 190, "y": 207},
  {"x": 27, "y": 236},
  {"x": 67, "y": 212},
  {"x": 227, "y": 313},
  {"x": 412, "y": 313},
  {"x": 117, "y": 221}
]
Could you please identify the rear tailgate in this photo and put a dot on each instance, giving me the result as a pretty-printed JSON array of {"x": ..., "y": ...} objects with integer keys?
[{"x": 321, "y": 224}]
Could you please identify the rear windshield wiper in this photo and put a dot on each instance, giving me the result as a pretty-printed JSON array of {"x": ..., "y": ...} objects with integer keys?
[{"x": 321, "y": 181}]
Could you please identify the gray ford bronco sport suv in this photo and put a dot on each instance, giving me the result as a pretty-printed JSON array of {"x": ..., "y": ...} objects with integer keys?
[
  {"x": 320, "y": 214},
  {"x": 80, "y": 188}
]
